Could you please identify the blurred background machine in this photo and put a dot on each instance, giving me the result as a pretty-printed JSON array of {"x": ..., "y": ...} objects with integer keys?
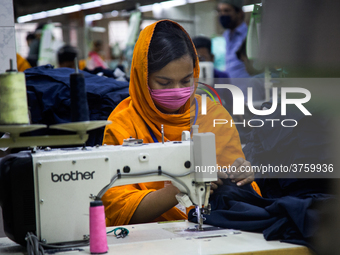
[{"x": 304, "y": 37}]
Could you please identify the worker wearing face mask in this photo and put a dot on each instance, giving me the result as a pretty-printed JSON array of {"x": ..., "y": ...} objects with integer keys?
[{"x": 231, "y": 18}]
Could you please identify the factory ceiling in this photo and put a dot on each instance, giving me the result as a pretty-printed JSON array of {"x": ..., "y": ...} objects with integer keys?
[{"x": 24, "y": 7}]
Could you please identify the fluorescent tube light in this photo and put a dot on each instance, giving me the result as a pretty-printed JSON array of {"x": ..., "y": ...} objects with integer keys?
[{"x": 70, "y": 9}]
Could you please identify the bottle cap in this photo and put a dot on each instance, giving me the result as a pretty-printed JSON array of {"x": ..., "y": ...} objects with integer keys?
[{"x": 96, "y": 203}]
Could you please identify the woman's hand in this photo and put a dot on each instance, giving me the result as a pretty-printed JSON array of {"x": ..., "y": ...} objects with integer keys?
[
  {"x": 241, "y": 172},
  {"x": 214, "y": 185}
]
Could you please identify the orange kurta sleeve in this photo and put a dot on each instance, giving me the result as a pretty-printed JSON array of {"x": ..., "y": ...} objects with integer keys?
[
  {"x": 22, "y": 64},
  {"x": 82, "y": 64},
  {"x": 228, "y": 144},
  {"x": 121, "y": 202}
]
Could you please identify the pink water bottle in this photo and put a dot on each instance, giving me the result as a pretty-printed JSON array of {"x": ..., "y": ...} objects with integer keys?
[{"x": 98, "y": 239}]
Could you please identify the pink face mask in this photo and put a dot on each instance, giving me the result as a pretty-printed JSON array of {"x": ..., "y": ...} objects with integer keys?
[{"x": 171, "y": 99}]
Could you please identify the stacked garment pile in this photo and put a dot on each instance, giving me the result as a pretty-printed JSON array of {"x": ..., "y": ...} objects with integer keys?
[{"x": 49, "y": 100}]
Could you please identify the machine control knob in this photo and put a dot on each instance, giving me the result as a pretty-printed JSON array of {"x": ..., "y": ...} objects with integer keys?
[{"x": 126, "y": 169}]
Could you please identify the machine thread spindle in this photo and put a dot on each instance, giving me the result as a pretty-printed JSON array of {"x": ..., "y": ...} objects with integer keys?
[{"x": 98, "y": 239}]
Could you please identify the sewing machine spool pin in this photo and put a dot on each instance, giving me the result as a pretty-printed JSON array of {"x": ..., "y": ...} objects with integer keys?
[{"x": 162, "y": 130}]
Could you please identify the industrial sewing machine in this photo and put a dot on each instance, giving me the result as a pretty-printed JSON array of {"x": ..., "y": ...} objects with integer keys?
[{"x": 48, "y": 191}]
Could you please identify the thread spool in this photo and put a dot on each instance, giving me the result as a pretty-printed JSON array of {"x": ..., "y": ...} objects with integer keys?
[
  {"x": 13, "y": 98},
  {"x": 79, "y": 105},
  {"x": 98, "y": 239}
]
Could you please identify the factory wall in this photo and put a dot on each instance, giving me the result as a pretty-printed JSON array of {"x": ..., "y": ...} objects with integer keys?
[
  {"x": 197, "y": 19},
  {"x": 7, "y": 35}
]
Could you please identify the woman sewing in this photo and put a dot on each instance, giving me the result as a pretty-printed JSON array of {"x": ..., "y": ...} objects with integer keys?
[{"x": 163, "y": 68}]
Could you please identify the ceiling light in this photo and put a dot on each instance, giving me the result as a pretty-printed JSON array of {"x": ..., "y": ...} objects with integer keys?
[
  {"x": 70, "y": 9},
  {"x": 39, "y": 15},
  {"x": 173, "y": 3},
  {"x": 54, "y": 12},
  {"x": 106, "y": 2},
  {"x": 90, "y": 5},
  {"x": 195, "y": 1},
  {"x": 25, "y": 18},
  {"x": 146, "y": 8},
  {"x": 98, "y": 29},
  {"x": 92, "y": 17},
  {"x": 157, "y": 10},
  {"x": 114, "y": 13}
]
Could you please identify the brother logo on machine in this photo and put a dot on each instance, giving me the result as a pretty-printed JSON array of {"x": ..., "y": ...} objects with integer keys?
[{"x": 72, "y": 176}]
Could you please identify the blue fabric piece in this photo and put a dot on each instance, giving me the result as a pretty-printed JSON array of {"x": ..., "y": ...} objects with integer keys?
[
  {"x": 154, "y": 138},
  {"x": 49, "y": 100},
  {"x": 196, "y": 111},
  {"x": 307, "y": 143},
  {"x": 290, "y": 219},
  {"x": 235, "y": 68}
]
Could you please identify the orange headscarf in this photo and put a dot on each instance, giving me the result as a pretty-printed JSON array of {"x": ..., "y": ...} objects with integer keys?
[
  {"x": 131, "y": 115},
  {"x": 131, "y": 118},
  {"x": 141, "y": 105}
]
